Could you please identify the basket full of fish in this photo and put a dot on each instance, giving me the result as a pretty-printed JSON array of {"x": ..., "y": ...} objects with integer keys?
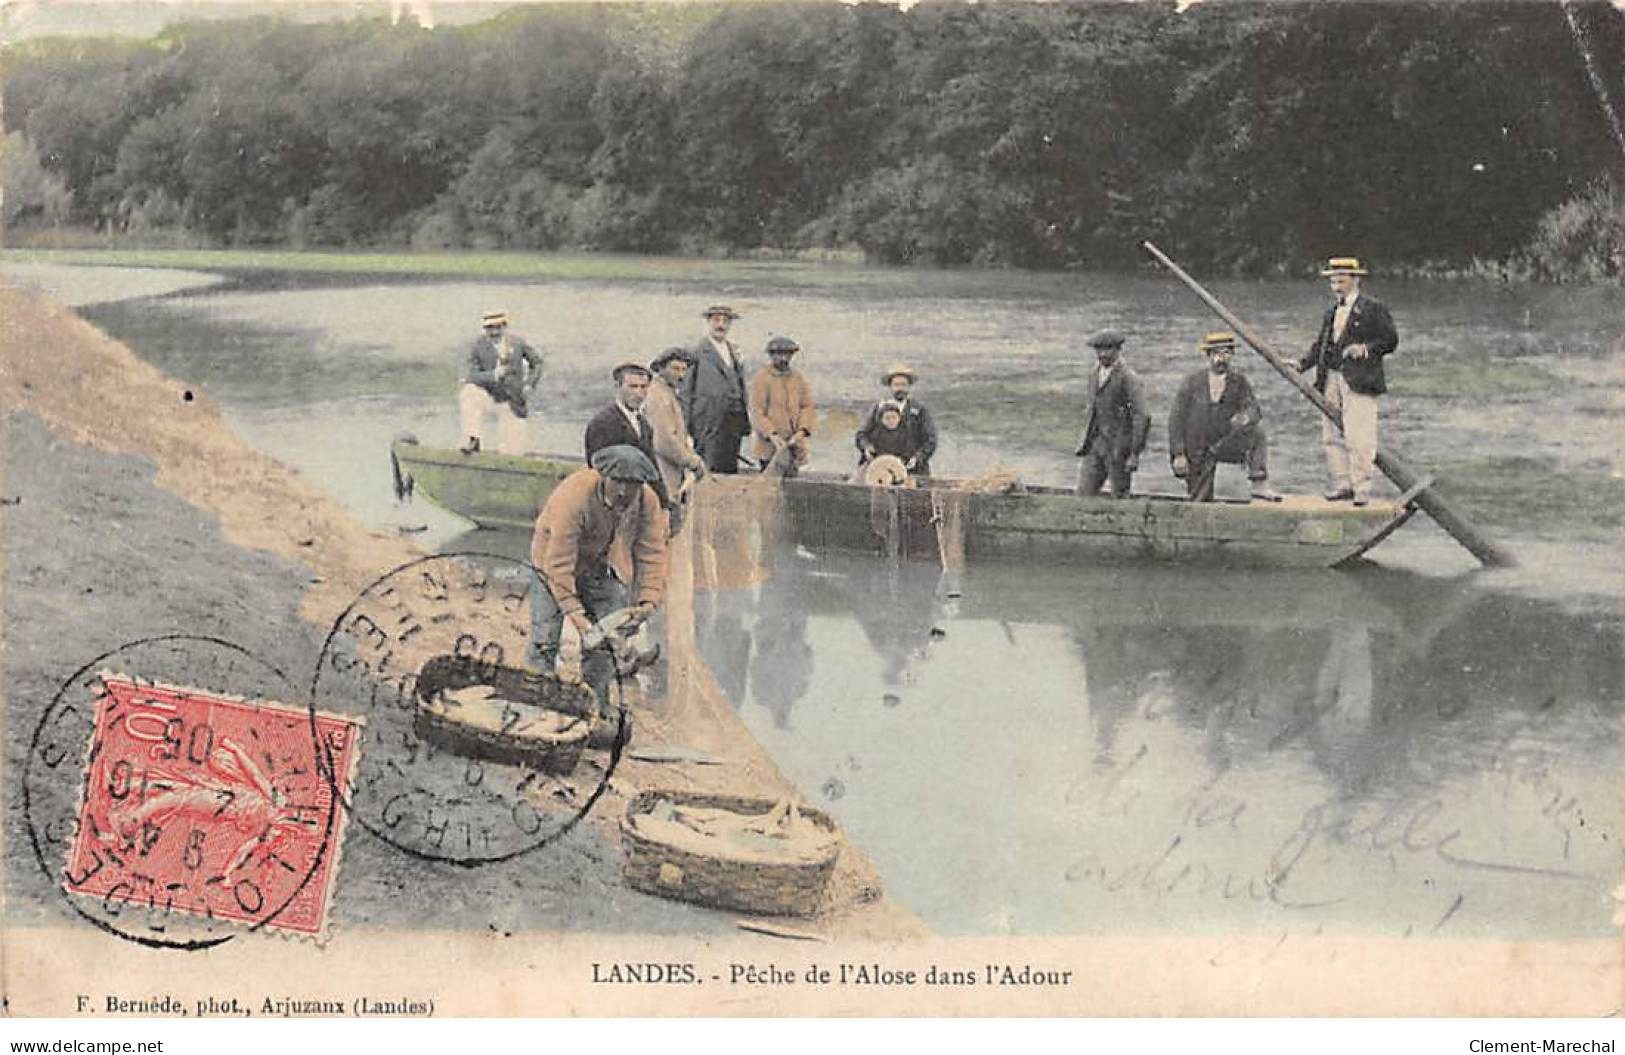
[
  {"x": 503, "y": 714},
  {"x": 729, "y": 851}
]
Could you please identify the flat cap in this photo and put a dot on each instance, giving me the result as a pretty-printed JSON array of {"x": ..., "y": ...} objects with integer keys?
[
  {"x": 624, "y": 462},
  {"x": 721, "y": 309},
  {"x": 1105, "y": 339},
  {"x": 782, "y": 344},
  {"x": 676, "y": 351},
  {"x": 629, "y": 368}
]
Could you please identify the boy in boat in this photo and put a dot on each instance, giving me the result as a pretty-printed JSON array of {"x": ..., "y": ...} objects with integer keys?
[
  {"x": 602, "y": 531},
  {"x": 1215, "y": 418},
  {"x": 500, "y": 375},
  {"x": 1356, "y": 333},
  {"x": 1115, "y": 421},
  {"x": 781, "y": 411},
  {"x": 920, "y": 434}
]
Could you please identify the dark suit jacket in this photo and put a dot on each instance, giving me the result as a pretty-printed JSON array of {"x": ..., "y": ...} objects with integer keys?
[
  {"x": 918, "y": 440},
  {"x": 610, "y": 427},
  {"x": 711, "y": 390},
  {"x": 1114, "y": 418},
  {"x": 1369, "y": 324},
  {"x": 1196, "y": 423}
]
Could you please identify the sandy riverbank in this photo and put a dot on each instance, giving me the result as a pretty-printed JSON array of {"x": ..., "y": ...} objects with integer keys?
[{"x": 133, "y": 511}]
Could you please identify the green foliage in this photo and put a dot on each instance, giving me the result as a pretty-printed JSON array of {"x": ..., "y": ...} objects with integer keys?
[
  {"x": 1582, "y": 240},
  {"x": 1244, "y": 136}
]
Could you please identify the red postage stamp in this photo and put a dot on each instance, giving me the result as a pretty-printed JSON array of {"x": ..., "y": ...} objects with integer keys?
[{"x": 200, "y": 804}]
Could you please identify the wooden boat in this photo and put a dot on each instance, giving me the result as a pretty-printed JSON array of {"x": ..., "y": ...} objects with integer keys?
[{"x": 1028, "y": 523}]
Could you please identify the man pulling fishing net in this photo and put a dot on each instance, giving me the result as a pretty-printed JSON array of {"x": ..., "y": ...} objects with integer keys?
[{"x": 600, "y": 541}]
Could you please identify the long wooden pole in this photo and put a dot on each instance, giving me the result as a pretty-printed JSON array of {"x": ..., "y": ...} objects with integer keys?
[{"x": 1488, "y": 553}]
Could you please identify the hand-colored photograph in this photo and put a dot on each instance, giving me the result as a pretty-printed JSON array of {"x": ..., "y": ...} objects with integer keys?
[{"x": 1066, "y": 509}]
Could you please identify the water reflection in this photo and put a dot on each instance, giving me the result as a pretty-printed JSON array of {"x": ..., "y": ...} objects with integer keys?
[{"x": 1151, "y": 749}]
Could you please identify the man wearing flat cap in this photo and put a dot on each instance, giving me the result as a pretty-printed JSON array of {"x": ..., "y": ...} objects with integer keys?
[
  {"x": 1356, "y": 334},
  {"x": 1115, "y": 421},
  {"x": 674, "y": 454},
  {"x": 919, "y": 432},
  {"x": 781, "y": 411},
  {"x": 623, "y": 421},
  {"x": 500, "y": 374},
  {"x": 600, "y": 540},
  {"x": 1216, "y": 418},
  {"x": 714, "y": 401}
]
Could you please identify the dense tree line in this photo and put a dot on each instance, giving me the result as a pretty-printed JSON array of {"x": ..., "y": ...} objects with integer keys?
[{"x": 1254, "y": 136}]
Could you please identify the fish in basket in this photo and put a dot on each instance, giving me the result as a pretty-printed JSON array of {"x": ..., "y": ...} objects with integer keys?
[
  {"x": 503, "y": 714},
  {"x": 731, "y": 852}
]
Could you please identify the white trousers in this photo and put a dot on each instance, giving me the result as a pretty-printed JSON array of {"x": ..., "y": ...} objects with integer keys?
[
  {"x": 1351, "y": 454},
  {"x": 475, "y": 405}
]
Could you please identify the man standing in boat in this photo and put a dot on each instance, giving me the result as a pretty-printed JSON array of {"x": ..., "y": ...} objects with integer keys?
[
  {"x": 1115, "y": 421},
  {"x": 714, "y": 395},
  {"x": 623, "y": 421},
  {"x": 1216, "y": 418},
  {"x": 781, "y": 411},
  {"x": 500, "y": 374},
  {"x": 674, "y": 453},
  {"x": 920, "y": 433},
  {"x": 600, "y": 540},
  {"x": 1356, "y": 334}
]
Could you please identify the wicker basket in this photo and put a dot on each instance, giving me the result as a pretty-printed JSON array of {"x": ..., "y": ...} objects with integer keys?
[
  {"x": 787, "y": 889},
  {"x": 550, "y": 753}
]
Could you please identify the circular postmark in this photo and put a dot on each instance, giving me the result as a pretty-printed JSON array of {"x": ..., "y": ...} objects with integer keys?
[
  {"x": 468, "y": 613},
  {"x": 173, "y": 795}
]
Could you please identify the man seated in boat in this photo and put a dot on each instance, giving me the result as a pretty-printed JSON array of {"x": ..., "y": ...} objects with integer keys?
[
  {"x": 500, "y": 374},
  {"x": 623, "y": 420},
  {"x": 920, "y": 434},
  {"x": 1215, "y": 418},
  {"x": 781, "y": 411},
  {"x": 1115, "y": 421},
  {"x": 600, "y": 540},
  {"x": 674, "y": 454}
]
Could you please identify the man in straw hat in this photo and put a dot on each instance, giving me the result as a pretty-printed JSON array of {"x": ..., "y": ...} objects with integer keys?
[
  {"x": 714, "y": 395},
  {"x": 1356, "y": 334},
  {"x": 920, "y": 434},
  {"x": 601, "y": 533},
  {"x": 679, "y": 463},
  {"x": 1215, "y": 418},
  {"x": 1115, "y": 421},
  {"x": 500, "y": 375},
  {"x": 781, "y": 411}
]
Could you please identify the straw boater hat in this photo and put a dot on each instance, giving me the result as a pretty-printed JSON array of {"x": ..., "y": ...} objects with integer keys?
[
  {"x": 494, "y": 318},
  {"x": 720, "y": 309},
  {"x": 1212, "y": 342},
  {"x": 1343, "y": 265},
  {"x": 782, "y": 344},
  {"x": 898, "y": 368}
]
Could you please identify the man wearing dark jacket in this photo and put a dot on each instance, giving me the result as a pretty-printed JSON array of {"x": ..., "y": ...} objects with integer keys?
[
  {"x": 1356, "y": 334},
  {"x": 1215, "y": 418},
  {"x": 919, "y": 432},
  {"x": 714, "y": 394},
  {"x": 1115, "y": 422},
  {"x": 622, "y": 422}
]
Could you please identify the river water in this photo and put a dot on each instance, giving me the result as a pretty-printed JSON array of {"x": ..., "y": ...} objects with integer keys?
[{"x": 1412, "y": 749}]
